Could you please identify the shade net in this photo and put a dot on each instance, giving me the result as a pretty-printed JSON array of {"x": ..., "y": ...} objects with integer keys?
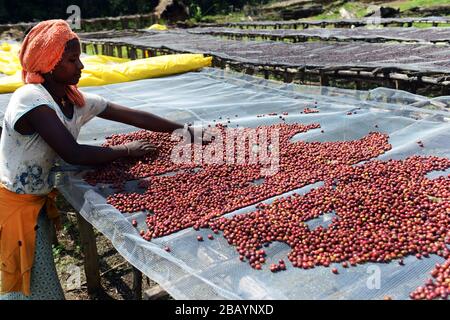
[{"x": 212, "y": 269}]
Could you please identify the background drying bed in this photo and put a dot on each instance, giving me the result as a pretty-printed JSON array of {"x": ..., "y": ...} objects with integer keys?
[
  {"x": 343, "y": 23},
  {"x": 413, "y": 57},
  {"x": 211, "y": 269},
  {"x": 424, "y": 35}
]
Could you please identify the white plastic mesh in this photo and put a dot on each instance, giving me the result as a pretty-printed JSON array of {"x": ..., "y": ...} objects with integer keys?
[{"x": 211, "y": 269}]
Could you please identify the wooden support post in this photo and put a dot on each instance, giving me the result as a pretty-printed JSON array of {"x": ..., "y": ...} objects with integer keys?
[
  {"x": 133, "y": 53},
  {"x": 358, "y": 84},
  {"x": 141, "y": 22},
  {"x": 53, "y": 234},
  {"x": 106, "y": 49},
  {"x": 249, "y": 70},
  {"x": 288, "y": 76},
  {"x": 137, "y": 284},
  {"x": 413, "y": 87},
  {"x": 324, "y": 80},
  {"x": 218, "y": 63},
  {"x": 156, "y": 293},
  {"x": 91, "y": 262},
  {"x": 301, "y": 74}
]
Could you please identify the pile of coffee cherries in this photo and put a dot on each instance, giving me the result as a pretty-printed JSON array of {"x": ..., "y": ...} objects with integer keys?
[
  {"x": 385, "y": 210},
  {"x": 438, "y": 287},
  {"x": 126, "y": 169},
  {"x": 193, "y": 198}
]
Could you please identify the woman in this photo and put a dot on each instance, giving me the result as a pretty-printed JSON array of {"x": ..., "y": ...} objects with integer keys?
[{"x": 42, "y": 122}]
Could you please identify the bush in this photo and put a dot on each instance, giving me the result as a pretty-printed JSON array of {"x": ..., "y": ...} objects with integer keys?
[{"x": 38, "y": 10}]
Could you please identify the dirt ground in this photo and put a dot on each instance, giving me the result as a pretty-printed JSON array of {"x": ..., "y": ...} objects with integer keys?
[{"x": 116, "y": 273}]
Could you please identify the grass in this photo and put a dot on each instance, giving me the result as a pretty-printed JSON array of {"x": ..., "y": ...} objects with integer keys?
[
  {"x": 357, "y": 9},
  {"x": 406, "y": 5},
  {"x": 225, "y": 18},
  {"x": 427, "y": 25}
]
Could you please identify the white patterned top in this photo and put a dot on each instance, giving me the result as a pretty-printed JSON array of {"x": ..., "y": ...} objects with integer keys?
[{"x": 26, "y": 160}]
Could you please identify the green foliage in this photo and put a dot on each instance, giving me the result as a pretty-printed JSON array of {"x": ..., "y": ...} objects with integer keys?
[
  {"x": 195, "y": 12},
  {"x": 57, "y": 250},
  {"x": 38, "y": 10},
  {"x": 405, "y": 5},
  {"x": 211, "y": 7}
]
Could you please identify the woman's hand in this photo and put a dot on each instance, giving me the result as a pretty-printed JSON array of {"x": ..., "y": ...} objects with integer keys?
[{"x": 139, "y": 148}]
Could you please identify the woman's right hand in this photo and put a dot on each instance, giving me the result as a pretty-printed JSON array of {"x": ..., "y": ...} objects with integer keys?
[{"x": 139, "y": 148}]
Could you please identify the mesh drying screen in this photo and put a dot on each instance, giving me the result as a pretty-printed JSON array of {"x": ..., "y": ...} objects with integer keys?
[{"x": 211, "y": 269}]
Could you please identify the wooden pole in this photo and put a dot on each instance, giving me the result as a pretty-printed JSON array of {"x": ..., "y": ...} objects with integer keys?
[
  {"x": 91, "y": 261},
  {"x": 137, "y": 284},
  {"x": 156, "y": 293}
]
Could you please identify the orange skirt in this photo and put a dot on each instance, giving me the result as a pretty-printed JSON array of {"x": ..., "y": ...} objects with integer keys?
[{"x": 18, "y": 220}]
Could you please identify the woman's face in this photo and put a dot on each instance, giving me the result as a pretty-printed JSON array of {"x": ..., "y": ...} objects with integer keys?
[{"x": 68, "y": 70}]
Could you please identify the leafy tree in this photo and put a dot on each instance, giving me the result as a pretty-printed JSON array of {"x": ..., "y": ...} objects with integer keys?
[{"x": 37, "y": 10}]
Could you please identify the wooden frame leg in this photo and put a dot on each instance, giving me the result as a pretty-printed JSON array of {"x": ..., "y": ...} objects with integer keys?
[
  {"x": 91, "y": 261},
  {"x": 156, "y": 293},
  {"x": 137, "y": 284}
]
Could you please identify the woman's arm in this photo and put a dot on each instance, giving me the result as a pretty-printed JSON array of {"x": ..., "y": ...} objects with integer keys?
[
  {"x": 46, "y": 123},
  {"x": 140, "y": 119}
]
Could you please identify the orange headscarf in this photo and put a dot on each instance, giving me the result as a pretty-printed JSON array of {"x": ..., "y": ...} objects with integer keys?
[{"x": 41, "y": 51}]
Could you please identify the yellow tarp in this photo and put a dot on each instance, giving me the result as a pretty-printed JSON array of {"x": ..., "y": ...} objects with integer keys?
[
  {"x": 103, "y": 70},
  {"x": 158, "y": 27},
  {"x": 9, "y": 58}
]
